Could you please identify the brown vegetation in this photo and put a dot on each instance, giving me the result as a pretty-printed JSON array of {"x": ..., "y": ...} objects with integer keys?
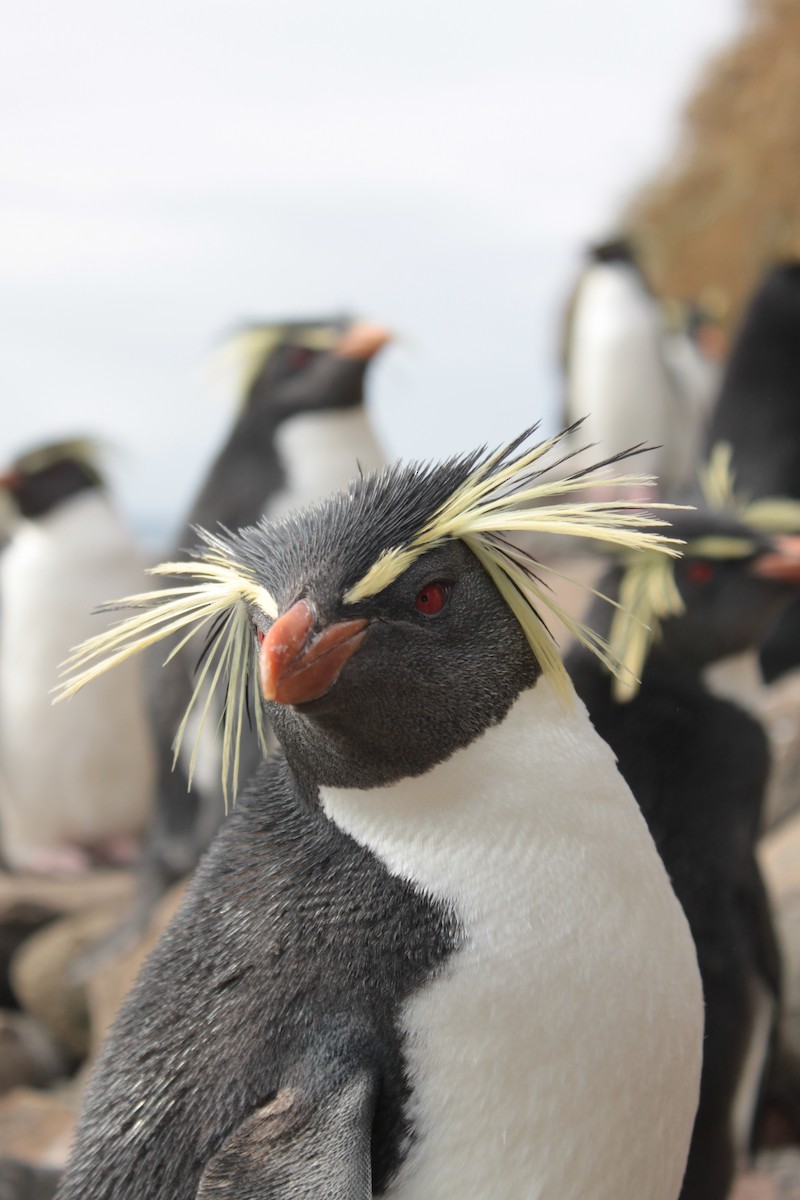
[{"x": 729, "y": 203}]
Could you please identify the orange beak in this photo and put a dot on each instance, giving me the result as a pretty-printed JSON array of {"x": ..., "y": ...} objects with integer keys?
[
  {"x": 294, "y": 665},
  {"x": 362, "y": 340},
  {"x": 783, "y": 563}
]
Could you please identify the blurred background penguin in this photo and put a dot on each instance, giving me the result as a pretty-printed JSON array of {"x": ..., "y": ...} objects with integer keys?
[
  {"x": 77, "y": 786},
  {"x": 302, "y": 430}
]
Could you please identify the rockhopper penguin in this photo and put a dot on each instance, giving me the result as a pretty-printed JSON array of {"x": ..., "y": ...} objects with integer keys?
[
  {"x": 76, "y": 783},
  {"x": 433, "y": 953},
  {"x": 698, "y": 766},
  {"x": 301, "y": 431},
  {"x": 618, "y": 360}
]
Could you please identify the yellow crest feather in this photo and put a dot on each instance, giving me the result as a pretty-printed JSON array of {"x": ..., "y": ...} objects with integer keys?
[
  {"x": 648, "y": 592},
  {"x": 244, "y": 353},
  {"x": 648, "y": 595},
  {"x": 506, "y": 494},
  {"x": 89, "y": 451},
  {"x": 770, "y": 514},
  {"x": 221, "y": 592}
]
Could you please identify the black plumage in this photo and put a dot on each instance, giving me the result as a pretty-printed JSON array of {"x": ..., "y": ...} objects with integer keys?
[
  {"x": 698, "y": 766},
  {"x": 758, "y": 406},
  {"x": 41, "y": 480},
  {"x": 758, "y": 413}
]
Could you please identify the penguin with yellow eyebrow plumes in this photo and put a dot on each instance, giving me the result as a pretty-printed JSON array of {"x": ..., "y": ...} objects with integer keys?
[
  {"x": 301, "y": 431},
  {"x": 698, "y": 766},
  {"x": 623, "y": 367},
  {"x": 75, "y": 786},
  {"x": 433, "y": 951}
]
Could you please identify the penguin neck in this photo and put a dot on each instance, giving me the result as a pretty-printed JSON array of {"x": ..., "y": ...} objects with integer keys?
[
  {"x": 320, "y": 451},
  {"x": 541, "y": 777}
]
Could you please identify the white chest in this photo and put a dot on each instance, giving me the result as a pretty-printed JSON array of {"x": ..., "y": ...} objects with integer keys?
[
  {"x": 558, "y": 1055},
  {"x": 321, "y": 452},
  {"x": 53, "y": 575}
]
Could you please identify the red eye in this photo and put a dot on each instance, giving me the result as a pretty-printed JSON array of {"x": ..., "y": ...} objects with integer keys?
[
  {"x": 299, "y": 357},
  {"x": 431, "y": 599},
  {"x": 699, "y": 571}
]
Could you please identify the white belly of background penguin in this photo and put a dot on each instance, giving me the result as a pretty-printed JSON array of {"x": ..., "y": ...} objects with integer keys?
[
  {"x": 560, "y": 884},
  {"x": 320, "y": 451},
  {"x": 80, "y": 780}
]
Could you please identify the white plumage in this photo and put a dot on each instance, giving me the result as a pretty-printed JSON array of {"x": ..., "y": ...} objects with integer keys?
[
  {"x": 578, "y": 980},
  {"x": 321, "y": 451},
  {"x": 80, "y": 776},
  {"x": 622, "y": 375}
]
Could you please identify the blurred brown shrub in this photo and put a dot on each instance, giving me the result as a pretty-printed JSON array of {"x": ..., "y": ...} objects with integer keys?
[{"x": 728, "y": 204}]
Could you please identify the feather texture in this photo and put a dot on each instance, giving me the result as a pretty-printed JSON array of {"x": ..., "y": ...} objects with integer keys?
[
  {"x": 220, "y": 599},
  {"x": 770, "y": 514},
  {"x": 244, "y": 353},
  {"x": 506, "y": 493}
]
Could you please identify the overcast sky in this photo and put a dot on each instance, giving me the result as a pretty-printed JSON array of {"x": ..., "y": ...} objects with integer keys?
[{"x": 169, "y": 168}]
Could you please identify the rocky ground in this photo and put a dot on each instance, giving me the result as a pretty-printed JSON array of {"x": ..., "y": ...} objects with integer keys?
[{"x": 53, "y": 1014}]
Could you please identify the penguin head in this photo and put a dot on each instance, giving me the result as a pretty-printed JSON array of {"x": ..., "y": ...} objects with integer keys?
[
  {"x": 620, "y": 249},
  {"x": 41, "y": 479},
  {"x": 718, "y": 600},
  {"x": 298, "y": 367},
  {"x": 363, "y": 693},
  {"x": 733, "y": 585},
  {"x": 392, "y": 624}
]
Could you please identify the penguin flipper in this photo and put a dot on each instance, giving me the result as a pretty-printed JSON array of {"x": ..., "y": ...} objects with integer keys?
[{"x": 303, "y": 1145}]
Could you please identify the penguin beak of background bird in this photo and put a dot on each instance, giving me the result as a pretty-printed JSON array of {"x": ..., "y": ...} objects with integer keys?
[
  {"x": 362, "y": 340},
  {"x": 10, "y": 480},
  {"x": 295, "y": 665},
  {"x": 782, "y": 563}
]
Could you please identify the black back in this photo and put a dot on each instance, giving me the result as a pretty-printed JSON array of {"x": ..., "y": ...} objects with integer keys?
[{"x": 758, "y": 407}]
